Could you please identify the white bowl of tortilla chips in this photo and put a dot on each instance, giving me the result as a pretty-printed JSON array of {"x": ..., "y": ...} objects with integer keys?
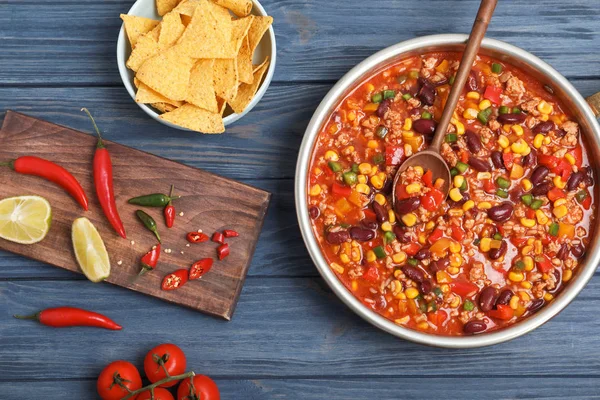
[{"x": 196, "y": 65}]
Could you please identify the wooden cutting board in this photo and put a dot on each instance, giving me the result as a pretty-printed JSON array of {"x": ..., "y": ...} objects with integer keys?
[{"x": 209, "y": 202}]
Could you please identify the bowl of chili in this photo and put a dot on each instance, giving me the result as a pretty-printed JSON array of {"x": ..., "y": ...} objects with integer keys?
[{"x": 513, "y": 243}]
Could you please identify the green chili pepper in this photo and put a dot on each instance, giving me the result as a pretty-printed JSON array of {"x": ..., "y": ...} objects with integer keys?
[
  {"x": 519, "y": 265},
  {"x": 426, "y": 115},
  {"x": 504, "y": 110},
  {"x": 152, "y": 200},
  {"x": 581, "y": 195},
  {"x": 462, "y": 167},
  {"x": 468, "y": 305},
  {"x": 432, "y": 307},
  {"x": 335, "y": 166},
  {"x": 350, "y": 178},
  {"x": 496, "y": 68},
  {"x": 535, "y": 204},
  {"x": 413, "y": 262},
  {"x": 451, "y": 80},
  {"x": 451, "y": 138},
  {"x": 406, "y": 96},
  {"x": 388, "y": 237},
  {"x": 527, "y": 199},
  {"x": 423, "y": 307},
  {"x": 516, "y": 110},
  {"x": 483, "y": 115},
  {"x": 381, "y": 131},
  {"x": 389, "y": 94},
  {"x": 463, "y": 186},
  {"x": 401, "y": 79},
  {"x": 453, "y": 172},
  {"x": 497, "y": 236},
  {"x": 502, "y": 193},
  {"x": 414, "y": 74},
  {"x": 355, "y": 168},
  {"x": 378, "y": 158},
  {"x": 553, "y": 229},
  {"x": 438, "y": 292},
  {"x": 376, "y": 98},
  {"x": 379, "y": 252},
  {"x": 148, "y": 222},
  {"x": 503, "y": 182}
]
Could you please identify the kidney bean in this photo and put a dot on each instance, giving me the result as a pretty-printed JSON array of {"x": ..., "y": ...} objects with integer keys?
[
  {"x": 500, "y": 213},
  {"x": 497, "y": 160},
  {"x": 369, "y": 224},
  {"x": 589, "y": 179},
  {"x": 405, "y": 206},
  {"x": 401, "y": 234},
  {"x": 535, "y": 305},
  {"x": 439, "y": 265},
  {"x": 504, "y": 297},
  {"x": 338, "y": 237},
  {"x": 413, "y": 273},
  {"x": 424, "y": 126},
  {"x": 314, "y": 212},
  {"x": 543, "y": 127},
  {"x": 383, "y": 108},
  {"x": 380, "y": 303},
  {"x": 487, "y": 298},
  {"x": 474, "y": 326},
  {"x": 511, "y": 118},
  {"x": 495, "y": 254},
  {"x": 542, "y": 189},
  {"x": 473, "y": 81},
  {"x": 426, "y": 92},
  {"x": 539, "y": 174},
  {"x": 459, "y": 203},
  {"x": 574, "y": 180},
  {"x": 560, "y": 133},
  {"x": 557, "y": 279},
  {"x": 387, "y": 186},
  {"x": 361, "y": 234},
  {"x": 441, "y": 82},
  {"x": 473, "y": 142},
  {"x": 423, "y": 254},
  {"x": 530, "y": 159},
  {"x": 563, "y": 252},
  {"x": 479, "y": 165},
  {"x": 578, "y": 250},
  {"x": 380, "y": 212},
  {"x": 426, "y": 287}
]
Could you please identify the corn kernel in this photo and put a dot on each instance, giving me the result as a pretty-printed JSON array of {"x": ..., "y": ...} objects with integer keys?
[
  {"x": 391, "y": 216},
  {"x": 445, "y": 288},
  {"x": 455, "y": 247},
  {"x": 351, "y": 115},
  {"x": 456, "y": 260},
  {"x": 548, "y": 297},
  {"x": 558, "y": 182},
  {"x": 337, "y": 268},
  {"x": 377, "y": 182},
  {"x": 515, "y": 276},
  {"x": 455, "y": 194},
  {"x": 409, "y": 219},
  {"x": 528, "y": 261},
  {"x": 526, "y": 250},
  {"x": 484, "y": 205},
  {"x": 456, "y": 212},
  {"x": 527, "y": 185},
  {"x": 526, "y": 222},
  {"x": 401, "y": 296},
  {"x": 470, "y": 113},
  {"x": 317, "y": 171},
  {"x": 413, "y": 188},
  {"x": 419, "y": 170},
  {"x": 545, "y": 108},
  {"x": 362, "y": 179},
  {"x": 430, "y": 225},
  {"x": 570, "y": 159},
  {"x": 517, "y": 129},
  {"x": 473, "y": 95},
  {"x": 315, "y": 190},
  {"x": 442, "y": 277},
  {"x": 458, "y": 181},
  {"x": 484, "y": 175},
  {"x": 455, "y": 302},
  {"x": 541, "y": 217},
  {"x": 354, "y": 286},
  {"x": 399, "y": 257},
  {"x": 567, "y": 275},
  {"x": 344, "y": 258},
  {"x": 506, "y": 128},
  {"x": 538, "y": 140},
  {"x": 543, "y": 117},
  {"x": 468, "y": 205},
  {"x": 386, "y": 226},
  {"x": 402, "y": 321},
  {"x": 485, "y": 244},
  {"x": 485, "y": 104},
  {"x": 530, "y": 241},
  {"x": 516, "y": 171},
  {"x": 411, "y": 292},
  {"x": 560, "y": 211},
  {"x": 560, "y": 202},
  {"x": 526, "y": 285},
  {"x": 363, "y": 188},
  {"x": 422, "y": 239},
  {"x": 372, "y": 144},
  {"x": 380, "y": 199},
  {"x": 407, "y": 124},
  {"x": 547, "y": 140},
  {"x": 453, "y": 270},
  {"x": 519, "y": 147},
  {"x": 514, "y": 302},
  {"x": 408, "y": 134},
  {"x": 331, "y": 155},
  {"x": 524, "y": 296},
  {"x": 537, "y": 247},
  {"x": 503, "y": 141},
  {"x": 460, "y": 127},
  {"x": 333, "y": 128},
  {"x": 371, "y": 256},
  {"x": 423, "y": 325},
  {"x": 364, "y": 168}
]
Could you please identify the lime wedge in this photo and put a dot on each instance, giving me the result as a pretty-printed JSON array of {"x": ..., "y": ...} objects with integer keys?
[
  {"x": 90, "y": 250},
  {"x": 25, "y": 219}
]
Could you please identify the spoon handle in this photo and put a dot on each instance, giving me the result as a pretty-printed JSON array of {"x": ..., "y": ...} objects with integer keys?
[{"x": 484, "y": 15}]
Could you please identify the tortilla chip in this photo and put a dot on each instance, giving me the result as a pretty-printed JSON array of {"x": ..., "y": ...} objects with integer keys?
[
  {"x": 246, "y": 92},
  {"x": 146, "y": 95},
  {"x": 226, "y": 78},
  {"x": 164, "y": 6},
  {"x": 167, "y": 73},
  {"x": 241, "y": 8},
  {"x": 201, "y": 92},
  {"x": 145, "y": 48},
  {"x": 187, "y": 7},
  {"x": 222, "y": 105},
  {"x": 209, "y": 33},
  {"x": 244, "y": 63},
  {"x": 185, "y": 20},
  {"x": 171, "y": 29},
  {"x": 136, "y": 27},
  {"x": 257, "y": 30},
  {"x": 195, "y": 118},
  {"x": 163, "y": 107},
  {"x": 240, "y": 30}
]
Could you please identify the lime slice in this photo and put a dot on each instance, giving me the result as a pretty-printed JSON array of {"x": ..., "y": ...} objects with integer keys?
[
  {"x": 90, "y": 250},
  {"x": 25, "y": 219}
]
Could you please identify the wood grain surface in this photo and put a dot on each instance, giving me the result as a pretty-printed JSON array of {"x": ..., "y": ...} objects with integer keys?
[{"x": 208, "y": 202}]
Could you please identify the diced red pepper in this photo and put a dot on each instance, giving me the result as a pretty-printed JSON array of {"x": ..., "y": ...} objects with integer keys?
[
  {"x": 464, "y": 156},
  {"x": 587, "y": 202},
  {"x": 543, "y": 263},
  {"x": 508, "y": 158},
  {"x": 328, "y": 171},
  {"x": 372, "y": 274},
  {"x": 341, "y": 190},
  {"x": 435, "y": 235},
  {"x": 229, "y": 233},
  {"x": 518, "y": 240},
  {"x": 369, "y": 214},
  {"x": 464, "y": 288},
  {"x": 428, "y": 178},
  {"x": 577, "y": 155},
  {"x": 547, "y": 239},
  {"x": 432, "y": 200},
  {"x": 401, "y": 192},
  {"x": 503, "y": 312},
  {"x": 394, "y": 155},
  {"x": 547, "y": 160},
  {"x": 555, "y": 194},
  {"x": 412, "y": 249},
  {"x": 218, "y": 237},
  {"x": 197, "y": 237},
  {"x": 563, "y": 168},
  {"x": 492, "y": 93},
  {"x": 458, "y": 233},
  {"x": 438, "y": 317},
  {"x": 223, "y": 251},
  {"x": 489, "y": 186},
  {"x": 529, "y": 213}
]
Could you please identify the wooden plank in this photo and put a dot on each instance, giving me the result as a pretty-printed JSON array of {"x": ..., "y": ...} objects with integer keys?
[
  {"x": 283, "y": 328},
  {"x": 316, "y": 41},
  {"x": 404, "y": 387},
  {"x": 208, "y": 201}
]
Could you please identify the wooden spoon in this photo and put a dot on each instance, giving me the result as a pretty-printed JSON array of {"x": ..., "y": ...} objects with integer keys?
[{"x": 430, "y": 159}]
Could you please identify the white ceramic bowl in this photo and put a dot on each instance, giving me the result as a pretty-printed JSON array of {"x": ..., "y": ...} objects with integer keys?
[{"x": 266, "y": 48}]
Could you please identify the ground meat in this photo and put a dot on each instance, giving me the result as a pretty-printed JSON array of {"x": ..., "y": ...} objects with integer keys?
[
  {"x": 486, "y": 135},
  {"x": 449, "y": 155},
  {"x": 505, "y": 76},
  {"x": 493, "y": 124},
  {"x": 330, "y": 219},
  {"x": 572, "y": 129},
  {"x": 414, "y": 103},
  {"x": 429, "y": 62},
  {"x": 515, "y": 88},
  {"x": 531, "y": 106},
  {"x": 477, "y": 272},
  {"x": 538, "y": 289},
  {"x": 575, "y": 214}
]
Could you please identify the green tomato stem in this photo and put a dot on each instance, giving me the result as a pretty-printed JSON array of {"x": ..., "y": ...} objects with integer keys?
[{"x": 158, "y": 383}]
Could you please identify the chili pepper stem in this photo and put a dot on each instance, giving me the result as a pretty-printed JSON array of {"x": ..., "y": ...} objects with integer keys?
[
  {"x": 10, "y": 164},
  {"x": 33, "y": 317},
  {"x": 171, "y": 194},
  {"x": 158, "y": 383},
  {"x": 100, "y": 144}
]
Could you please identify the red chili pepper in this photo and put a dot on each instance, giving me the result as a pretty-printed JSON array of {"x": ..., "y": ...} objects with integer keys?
[
  {"x": 30, "y": 165},
  {"x": 61, "y": 317},
  {"x": 503, "y": 312},
  {"x": 103, "y": 180},
  {"x": 169, "y": 211},
  {"x": 200, "y": 268},
  {"x": 197, "y": 237},
  {"x": 150, "y": 260},
  {"x": 218, "y": 237},
  {"x": 229, "y": 233},
  {"x": 223, "y": 251},
  {"x": 175, "y": 280}
]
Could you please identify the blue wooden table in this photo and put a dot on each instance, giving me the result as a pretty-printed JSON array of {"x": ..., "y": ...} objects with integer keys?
[{"x": 290, "y": 337}]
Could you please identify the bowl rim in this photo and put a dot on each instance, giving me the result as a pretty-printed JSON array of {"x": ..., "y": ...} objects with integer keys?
[
  {"x": 321, "y": 114},
  {"x": 229, "y": 119}
]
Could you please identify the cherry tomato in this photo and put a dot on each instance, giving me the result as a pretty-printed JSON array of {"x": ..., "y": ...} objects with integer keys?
[
  {"x": 117, "y": 376},
  {"x": 199, "y": 268},
  {"x": 175, "y": 280},
  {"x": 204, "y": 389},
  {"x": 159, "y": 394},
  {"x": 168, "y": 355}
]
